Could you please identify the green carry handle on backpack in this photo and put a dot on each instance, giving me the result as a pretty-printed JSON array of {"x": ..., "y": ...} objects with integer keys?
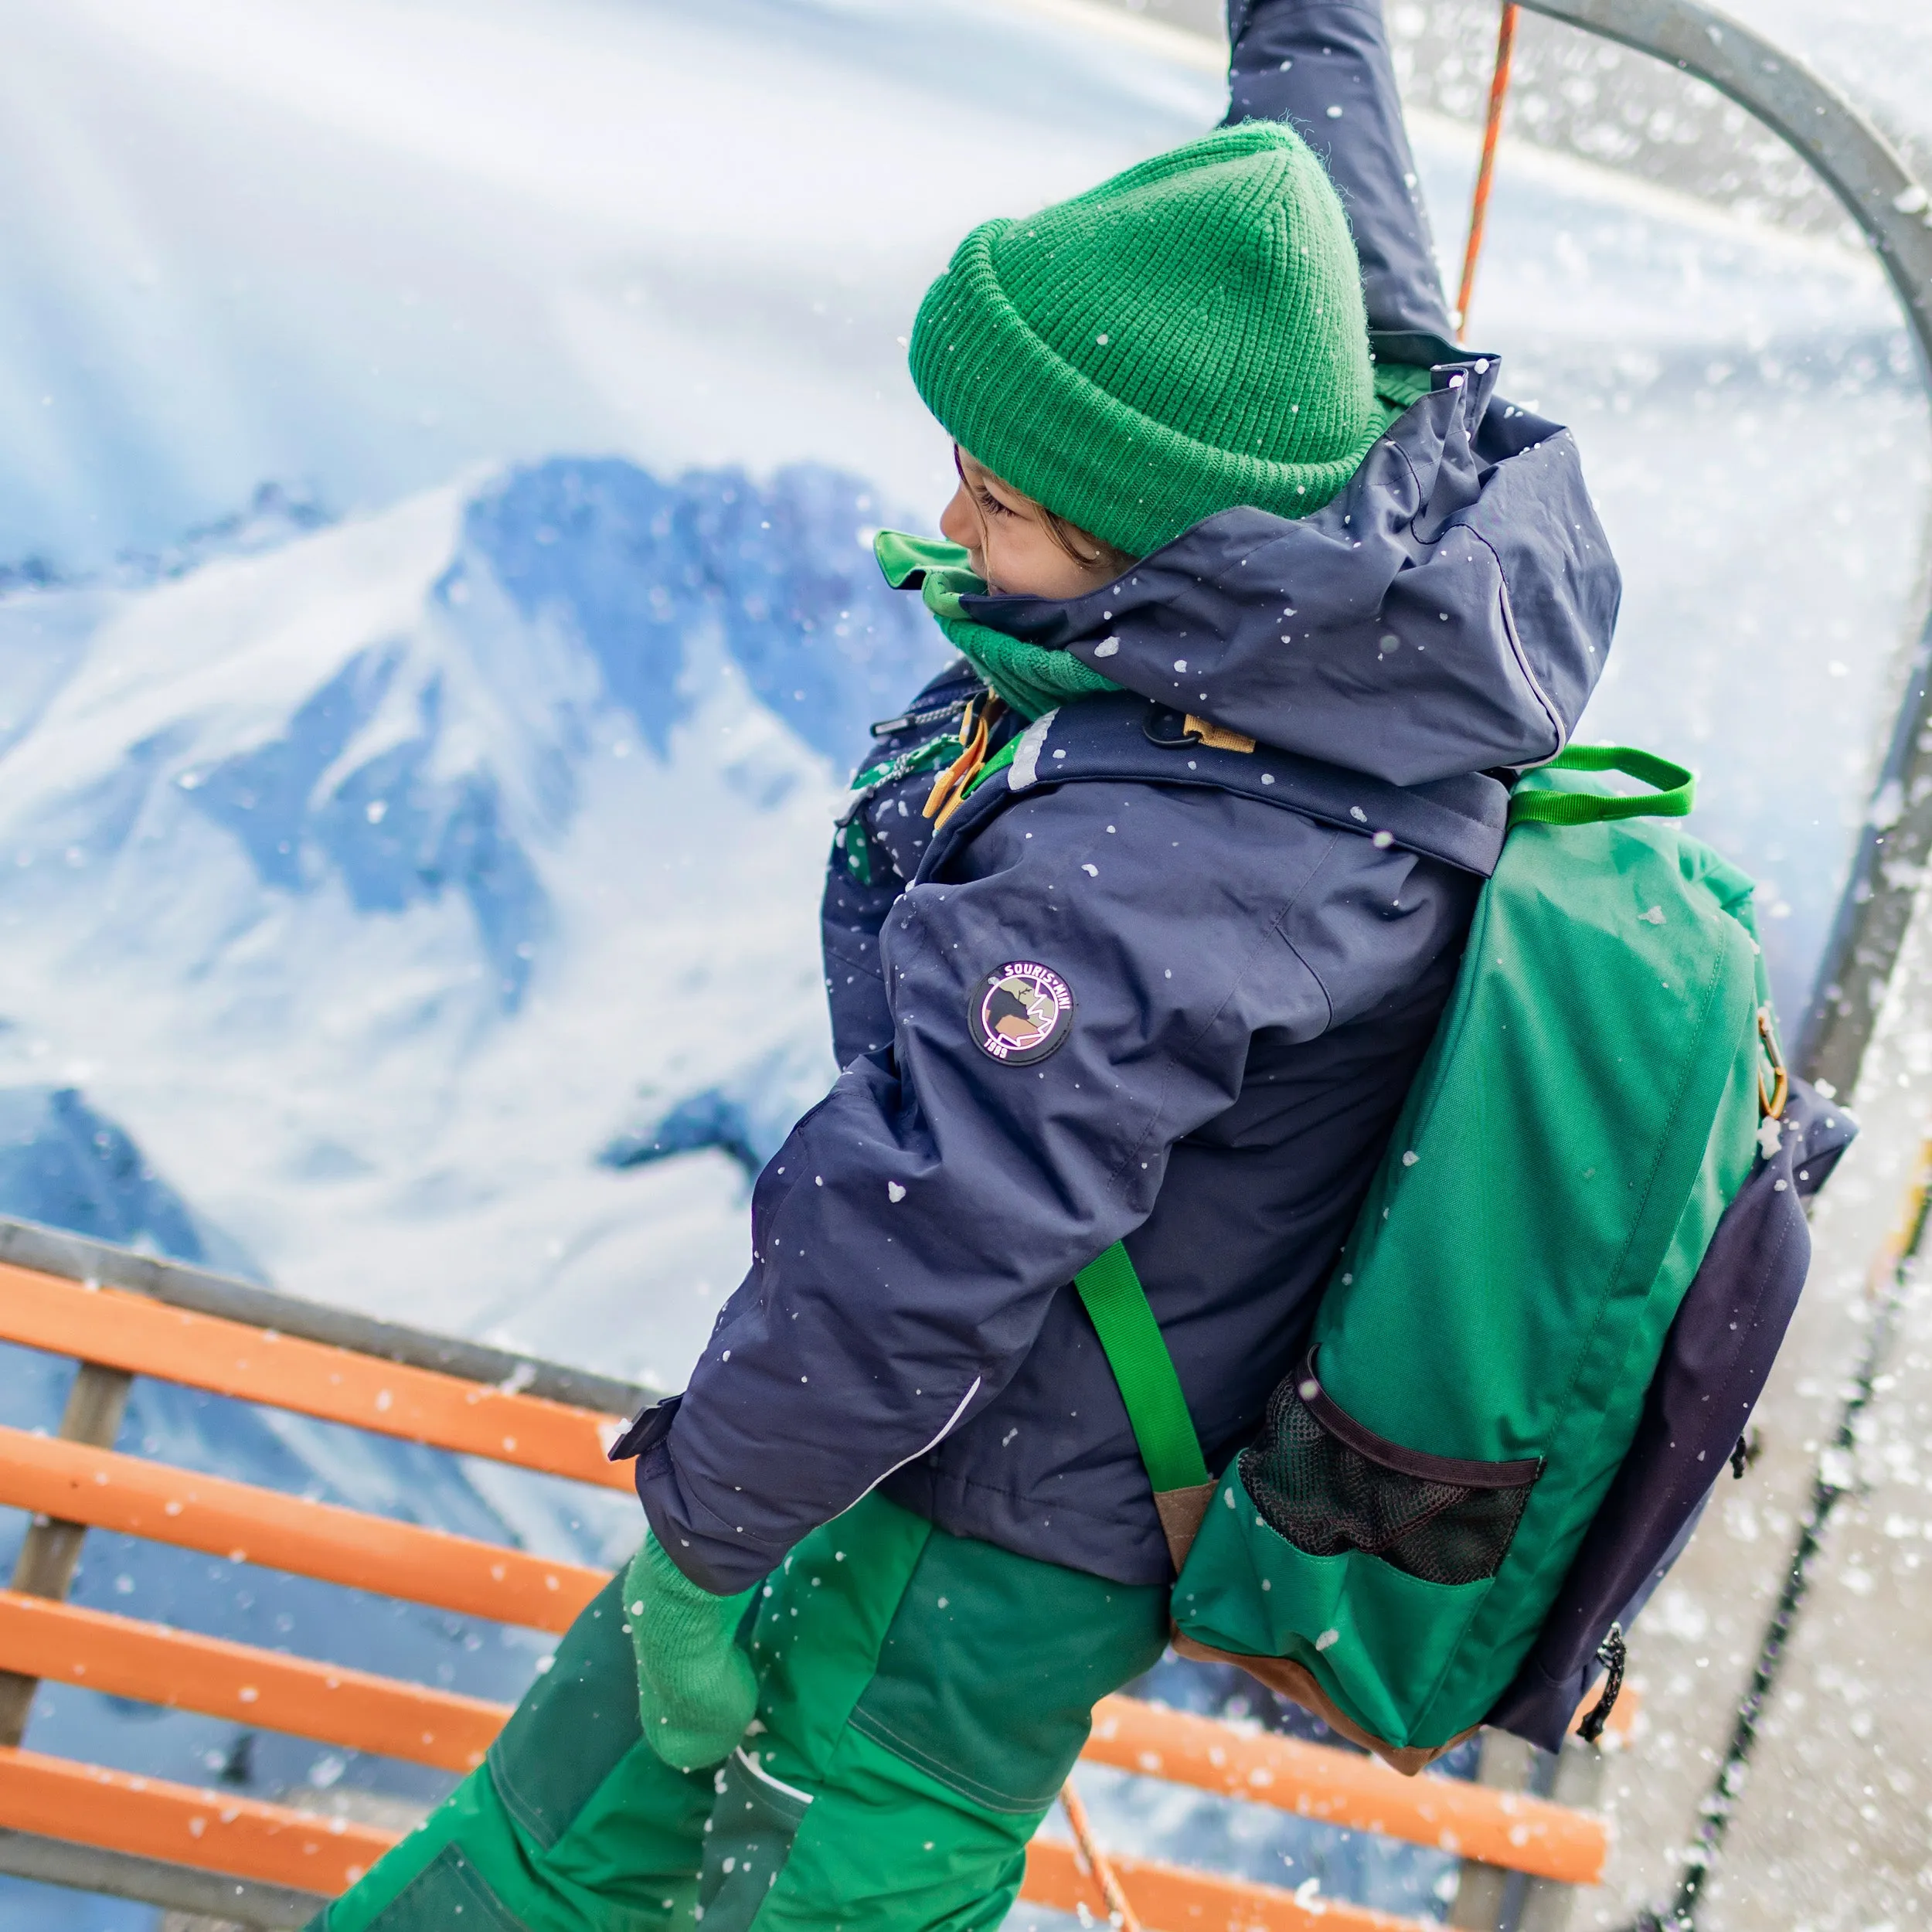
[{"x": 1387, "y": 1548}]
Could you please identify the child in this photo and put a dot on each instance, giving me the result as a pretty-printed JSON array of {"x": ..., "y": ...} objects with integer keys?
[{"x": 1136, "y": 963}]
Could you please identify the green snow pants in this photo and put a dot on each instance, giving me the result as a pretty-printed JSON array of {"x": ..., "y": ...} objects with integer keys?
[{"x": 922, "y": 1698}]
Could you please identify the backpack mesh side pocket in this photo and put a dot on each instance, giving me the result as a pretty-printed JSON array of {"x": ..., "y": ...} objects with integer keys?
[{"x": 1329, "y": 1485}]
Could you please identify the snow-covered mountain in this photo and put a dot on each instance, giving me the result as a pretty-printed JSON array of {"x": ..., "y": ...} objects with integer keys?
[{"x": 380, "y": 879}]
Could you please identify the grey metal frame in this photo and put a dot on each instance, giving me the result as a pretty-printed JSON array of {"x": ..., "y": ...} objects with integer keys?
[
  {"x": 1894, "y": 213},
  {"x": 174, "y": 1888},
  {"x": 1861, "y": 167}
]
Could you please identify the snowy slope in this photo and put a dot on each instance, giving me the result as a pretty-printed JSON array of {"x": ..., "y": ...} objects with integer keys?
[{"x": 378, "y": 881}]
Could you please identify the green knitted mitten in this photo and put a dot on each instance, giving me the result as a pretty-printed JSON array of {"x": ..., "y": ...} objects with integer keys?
[{"x": 696, "y": 1690}]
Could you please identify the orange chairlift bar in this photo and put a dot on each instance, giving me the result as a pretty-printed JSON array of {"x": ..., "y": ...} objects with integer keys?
[
  {"x": 1175, "y": 1897},
  {"x": 1317, "y": 1782},
  {"x": 156, "y": 1664},
  {"x": 209, "y": 1831},
  {"x": 106, "y": 1489},
  {"x": 135, "y": 1333},
  {"x": 221, "y": 1517},
  {"x": 274, "y": 1845},
  {"x": 358, "y": 1711}
]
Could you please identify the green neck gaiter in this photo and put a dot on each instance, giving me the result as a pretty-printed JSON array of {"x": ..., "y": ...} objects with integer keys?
[{"x": 1030, "y": 677}]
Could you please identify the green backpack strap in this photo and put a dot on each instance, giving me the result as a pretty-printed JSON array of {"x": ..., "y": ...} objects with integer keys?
[
  {"x": 1131, "y": 1339},
  {"x": 1675, "y": 789}
]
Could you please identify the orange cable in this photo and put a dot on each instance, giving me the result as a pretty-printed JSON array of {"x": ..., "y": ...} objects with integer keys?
[
  {"x": 1486, "y": 171},
  {"x": 1118, "y": 1909}
]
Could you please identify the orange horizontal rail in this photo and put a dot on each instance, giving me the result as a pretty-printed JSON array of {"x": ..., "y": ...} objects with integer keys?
[
  {"x": 156, "y": 1664},
  {"x": 1176, "y": 1899},
  {"x": 209, "y": 1831},
  {"x": 247, "y": 1838},
  {"x": 108, "y": 1491},
  {"x": 361, "y": 1712},
  {"x": 134, "y": 1332},
  {"x": 1520, "y": 1833}
]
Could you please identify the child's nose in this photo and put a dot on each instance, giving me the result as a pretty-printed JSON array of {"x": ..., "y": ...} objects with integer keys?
[{"x": 959, "y": 521}]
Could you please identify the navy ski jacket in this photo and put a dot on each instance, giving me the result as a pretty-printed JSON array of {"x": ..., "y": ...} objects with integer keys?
[{"x": 1143, "y": 986}]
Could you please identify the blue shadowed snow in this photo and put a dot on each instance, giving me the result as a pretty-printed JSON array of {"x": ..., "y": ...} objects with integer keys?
[
  {"x": 710, "y": 1119},
  {"x": 607, "y": 577},
  {"x": 392, "y": 831},
  {"x": 94, "y": 822},
  {"x": 63, "y": 1163},
  {"x": 784, "y": 569},
  {"x": 600, "y": 548},
  {"x": 824, "y": 642},
  {"x": 275, "y": 514},
  {"x": 747, "y": 1118},
  {"x": 398, "y": 834},
  {"x": 262, "y": 796}
]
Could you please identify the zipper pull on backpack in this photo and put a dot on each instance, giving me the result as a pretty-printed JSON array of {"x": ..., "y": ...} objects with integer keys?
[{"x": 1610, "y": 1655}]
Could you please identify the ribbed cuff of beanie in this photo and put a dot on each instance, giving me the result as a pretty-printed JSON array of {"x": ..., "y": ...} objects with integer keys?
[{"x": 1184, "y": 338}]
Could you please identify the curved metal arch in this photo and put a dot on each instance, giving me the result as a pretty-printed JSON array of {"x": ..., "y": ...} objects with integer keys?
[
  {"x": 1894, "y": 213},
  {"x": 1853, "y": 158}
]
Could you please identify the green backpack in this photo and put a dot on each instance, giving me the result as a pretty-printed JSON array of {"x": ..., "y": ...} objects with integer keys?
[{"x": 1386, "y": 1549}]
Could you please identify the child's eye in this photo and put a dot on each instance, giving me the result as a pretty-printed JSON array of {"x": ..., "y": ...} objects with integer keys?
[{"x": 992, "y": 504}]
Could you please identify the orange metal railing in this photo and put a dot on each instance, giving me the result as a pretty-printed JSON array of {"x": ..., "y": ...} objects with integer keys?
[
  {"x": 106, "y": 1489},
  {"x": 141, "y": 1336},
  {"x": 1360, "y": 1794},
  {"x": 122, "y": 1330},
  {"x": 153, "y": 1664}
]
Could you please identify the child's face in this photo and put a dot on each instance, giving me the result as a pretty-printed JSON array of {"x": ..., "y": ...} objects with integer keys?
[{"x": 1006, "y": 535}]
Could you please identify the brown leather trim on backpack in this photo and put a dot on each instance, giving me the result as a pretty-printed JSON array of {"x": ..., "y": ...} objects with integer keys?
[
  {"x": 1289, "y": 1679},
  {"x": 1182, "y": 1511}
]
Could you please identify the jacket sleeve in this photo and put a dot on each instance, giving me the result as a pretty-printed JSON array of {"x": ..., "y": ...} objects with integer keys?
[
  {"x": 1323, "y": 66},
  {"x": 909, "y": 1234}
]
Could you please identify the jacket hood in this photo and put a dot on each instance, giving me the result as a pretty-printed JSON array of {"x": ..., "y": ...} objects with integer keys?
[{"x": 1450, "y": 611}]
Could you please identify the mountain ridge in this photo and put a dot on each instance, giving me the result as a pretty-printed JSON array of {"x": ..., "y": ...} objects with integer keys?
[{"x": 381, "y": 878}]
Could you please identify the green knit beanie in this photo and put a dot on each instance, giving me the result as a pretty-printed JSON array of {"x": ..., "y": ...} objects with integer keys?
[{"x": 1184, "y": 338}]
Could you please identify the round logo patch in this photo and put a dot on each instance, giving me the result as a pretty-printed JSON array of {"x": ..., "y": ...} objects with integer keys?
[{"x": 1021, "y": 1013}]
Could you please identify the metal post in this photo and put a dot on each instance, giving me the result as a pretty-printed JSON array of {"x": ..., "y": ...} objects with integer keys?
[
  {"x": 1489, "y": 1899},
  {"x": 1547, "y": 1905},
  {"x": 51, "y": 1549}
]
